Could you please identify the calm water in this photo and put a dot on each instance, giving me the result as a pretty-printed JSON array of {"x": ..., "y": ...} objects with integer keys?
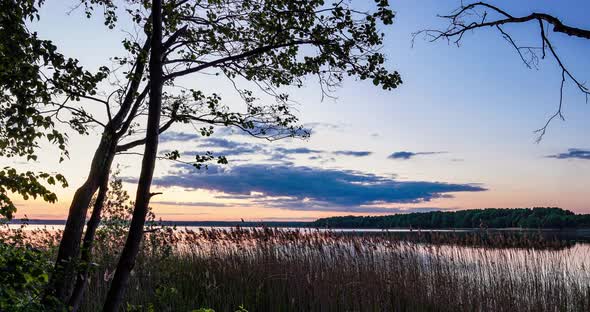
[
  {"x": 572, "y": 259},
  {"x": 580, "y": 236}
]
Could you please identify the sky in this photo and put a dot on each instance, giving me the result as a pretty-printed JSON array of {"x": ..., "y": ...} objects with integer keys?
[{"x": 457, "y": 134}]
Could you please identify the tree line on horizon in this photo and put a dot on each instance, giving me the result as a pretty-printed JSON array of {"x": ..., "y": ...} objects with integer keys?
[{"x": 538, "y": 217}]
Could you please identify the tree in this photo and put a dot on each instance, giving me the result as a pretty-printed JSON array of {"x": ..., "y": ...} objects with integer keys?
[
  {"x": 268, "y": 43},
  {"x": 274, "y": 52},
  {"x": 124, "y": 106},
  {"x": 113, "y": 216},
  {"x": 479, "y": 15}
]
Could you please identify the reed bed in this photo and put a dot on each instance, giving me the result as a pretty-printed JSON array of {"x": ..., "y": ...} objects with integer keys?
[
  {"x": 308, "y": 270},
  {"x": 279, "y": 270}
]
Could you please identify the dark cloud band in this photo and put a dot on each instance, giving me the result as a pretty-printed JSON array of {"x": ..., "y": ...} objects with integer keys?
[
  {"x": 573, "y": 153},
  {"x": 307, "y": 188},
  {"x": 408, "y": 155}
]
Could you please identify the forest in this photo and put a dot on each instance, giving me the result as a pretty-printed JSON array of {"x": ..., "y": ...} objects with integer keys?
[{"x": 538, "y": 217}]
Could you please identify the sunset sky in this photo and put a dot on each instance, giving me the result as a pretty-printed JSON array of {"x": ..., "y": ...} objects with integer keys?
[{"x": 457, "y": 134}]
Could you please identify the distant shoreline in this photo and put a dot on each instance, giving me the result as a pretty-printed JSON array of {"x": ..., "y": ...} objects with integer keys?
[
  {"x": 489, "y": 218},
  {"x": 305, "y": 224},
  {"x": 302, "y": 224}
]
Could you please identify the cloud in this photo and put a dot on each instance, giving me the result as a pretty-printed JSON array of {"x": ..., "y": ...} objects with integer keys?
[
  {"x": 353, "y": 153},
  {"x": 178, "y": 137},
  {"x": 308, "y": 188},
  {"x": 325, "y": 125},
  {"x": 240, "y": 196},
  {"x": 408, "y": 155},
  {"x": 220, "y": 142},
  {"x": 222, "y": 147},
  {"x": 200, "y": 140},
  {"x": 309, "y": 205},
  {"x": 574, "y": 153},
  {"x": 236, "y": 148},
  {"x": 322, "y": 159},
  {"x": 227, "y": 152},
  {"x": 225, "y": 147},
  {"x": 298, "y": 150}
]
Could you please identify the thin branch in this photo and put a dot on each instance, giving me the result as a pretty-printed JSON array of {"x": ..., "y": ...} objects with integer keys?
[
  {"x": 127, "y": 123},
  {"x": 237, "y": 57},
  {"x": 541, "y": 131},
  {"x": 460, "y": 24},
  {"x": 132, "y": 144},
  {"x": 517, "y": 48}
]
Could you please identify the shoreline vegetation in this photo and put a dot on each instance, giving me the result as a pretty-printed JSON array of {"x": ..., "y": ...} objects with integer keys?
[
  {"x": 544, "y": 218},
  {"x": 254, "y": 266},
  {"x": 489, "y": 218},
  {"x": 266, "y": 269}
]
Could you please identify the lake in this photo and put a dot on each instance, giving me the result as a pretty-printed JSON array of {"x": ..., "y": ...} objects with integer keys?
[{"x": 574, "y": 235}]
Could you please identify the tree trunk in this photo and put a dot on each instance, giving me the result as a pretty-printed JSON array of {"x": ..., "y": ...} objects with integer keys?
[
  {"x": 87, "y": 244},
  {"x": 131, "y": 249},
  {"x": 69, "y": 248},
  {"x": 64, "y": 272}
]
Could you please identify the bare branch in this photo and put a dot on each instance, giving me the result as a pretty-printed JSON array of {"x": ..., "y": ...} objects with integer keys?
[
  {"x": 130, "y": 145},
  {"x": 541, "y": 131},
  {"x": 462, "y": 20}
]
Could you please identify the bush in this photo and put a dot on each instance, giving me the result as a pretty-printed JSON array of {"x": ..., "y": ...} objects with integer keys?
[{"x": 23, "y": 276}]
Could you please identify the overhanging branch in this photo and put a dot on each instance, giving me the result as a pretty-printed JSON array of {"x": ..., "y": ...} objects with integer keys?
[
  {"x": 477, "y": 15},
  {"x": 237, "y": 57}
]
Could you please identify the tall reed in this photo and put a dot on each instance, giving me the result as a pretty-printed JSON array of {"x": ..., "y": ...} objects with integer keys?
[
  {"x": 293, "y": 270},
  {"x": 265, "y": 269}
]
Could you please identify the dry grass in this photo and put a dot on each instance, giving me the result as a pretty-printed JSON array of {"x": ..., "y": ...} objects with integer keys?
[
  {"x": 276, "y": 270},
  {"x": 279, "y": 270}
]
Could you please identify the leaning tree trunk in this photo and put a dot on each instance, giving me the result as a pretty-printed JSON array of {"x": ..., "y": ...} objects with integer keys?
[
  {"x": 87, "y": 244},
  {"x": 69, "y": 248},
  {"x": 131, "y": 249},
  {"x": 64, "y": 273}
]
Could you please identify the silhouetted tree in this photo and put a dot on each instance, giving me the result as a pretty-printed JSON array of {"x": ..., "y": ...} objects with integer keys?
[
  {"x": 268, "y": 43},
  {"x": 472, "y": 218},
  {"x": 125, "y": 105},
  {"x": 259, "y": 41}
]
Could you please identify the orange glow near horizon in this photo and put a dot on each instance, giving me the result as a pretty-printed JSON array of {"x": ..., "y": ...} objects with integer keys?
[{"x": 36, "y": 209}]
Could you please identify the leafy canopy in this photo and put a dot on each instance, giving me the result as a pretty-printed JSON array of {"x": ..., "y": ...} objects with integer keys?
[
  {"x": 33, "y": 77},
  {"x": 258, "y": 47}
]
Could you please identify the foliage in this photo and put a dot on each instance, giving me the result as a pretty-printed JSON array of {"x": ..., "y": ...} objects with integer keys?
[
  {"x": 24, "y": 272},
  {"x": 472, "y": 218},
  {"x": 28, "y": 184},
  {"x": 254, "y": 45},
  {"x": 117, "y": 212},
  {"x": 268, "y": 45},
  {"x": 22, "y": 277},
  {"x": 33, "y": 77}
]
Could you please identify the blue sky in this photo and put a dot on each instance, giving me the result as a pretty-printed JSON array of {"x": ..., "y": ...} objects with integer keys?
[{"x": 461, "y": 126}]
